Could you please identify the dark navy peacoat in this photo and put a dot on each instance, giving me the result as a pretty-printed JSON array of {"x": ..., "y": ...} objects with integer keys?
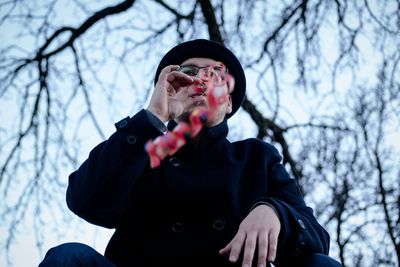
[{"x": 183, "y": 212}]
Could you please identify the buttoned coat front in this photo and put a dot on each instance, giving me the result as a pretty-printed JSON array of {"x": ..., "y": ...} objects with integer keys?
[{"x": 183, "y": 212}]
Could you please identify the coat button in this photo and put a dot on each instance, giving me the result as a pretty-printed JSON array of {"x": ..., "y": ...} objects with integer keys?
[
  {"x": 301, "y": 223},
  {"x": 131, "y": 139},
  {"x": 300, "y": 247},
  {"x": 175, "y": 162},
  {"x": 122, "y": 124},
  {"x": 219, "y": 224},
  {"x": 177, "y": 227},
  {"x": 299, "y": 250}
]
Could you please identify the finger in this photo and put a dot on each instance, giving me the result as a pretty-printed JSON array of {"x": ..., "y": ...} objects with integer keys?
[
  {"x": 178, "y": 82},
  {"x": 174, "y": 75},
  {"x": 168, "y": 69},
  {"x": 165, "y": 71},
  {"x": 197, "y": 79},
  {"x": 236, "y": 247},
  {"x": 181, "y": 92},
  {"x": 262, "y": 248},
  {"x": 250, "y": 247},
  {"x": 272, "y": 245},
  {"x": 226, "y": 249}
]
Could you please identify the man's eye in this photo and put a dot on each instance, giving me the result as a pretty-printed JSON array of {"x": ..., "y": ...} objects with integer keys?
[
  {"x": 218, "y": 69},
  {"x": 191, "y": 72},
  {"x": 188, "y": 71}
]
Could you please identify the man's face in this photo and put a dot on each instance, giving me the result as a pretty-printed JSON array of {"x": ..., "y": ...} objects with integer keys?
[{"x": 208, "y": 72}]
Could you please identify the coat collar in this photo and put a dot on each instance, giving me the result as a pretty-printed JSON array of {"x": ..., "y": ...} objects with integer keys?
[{"x": 211, "y": 139}]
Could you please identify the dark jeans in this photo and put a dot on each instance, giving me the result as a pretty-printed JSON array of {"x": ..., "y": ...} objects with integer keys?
[
  {"x": 74, "y": 255},
  {"x": 80, "y": 255}
]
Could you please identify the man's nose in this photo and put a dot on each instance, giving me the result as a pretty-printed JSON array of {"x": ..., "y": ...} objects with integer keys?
[
  {"x": 207, "y": 73},
  {"x": 200, "y": 87}
]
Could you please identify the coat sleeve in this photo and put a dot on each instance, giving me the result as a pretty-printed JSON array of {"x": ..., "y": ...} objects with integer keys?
[
  {"x": 300, "y": 234},
  {"x": 99, "y": 190}
]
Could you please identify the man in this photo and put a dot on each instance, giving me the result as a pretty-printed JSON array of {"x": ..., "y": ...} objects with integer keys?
[{"x": 212, "y": 203}]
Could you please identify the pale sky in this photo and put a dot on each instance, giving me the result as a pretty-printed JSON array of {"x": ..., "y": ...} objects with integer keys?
[{"x": 24, "y": 252}]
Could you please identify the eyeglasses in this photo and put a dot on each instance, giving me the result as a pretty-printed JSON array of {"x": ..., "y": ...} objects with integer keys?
[{"x": 193, "y": 70}]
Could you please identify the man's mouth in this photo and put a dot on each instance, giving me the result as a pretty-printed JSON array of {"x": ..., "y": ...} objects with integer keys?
[
  {"x": 200, "y": 89},
  {"x": 197, "y": 95}
]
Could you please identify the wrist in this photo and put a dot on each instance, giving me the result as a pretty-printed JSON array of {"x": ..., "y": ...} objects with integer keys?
[
  {"x": 156, "y": 112},
  {"x": 155, "y": 121},
  {"x": 266, "y": 204}
]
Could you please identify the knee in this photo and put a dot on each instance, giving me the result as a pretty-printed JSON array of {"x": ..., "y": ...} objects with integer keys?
[
  {"x": 317, "y": 260},
  {"x": 68, "y": 254}
]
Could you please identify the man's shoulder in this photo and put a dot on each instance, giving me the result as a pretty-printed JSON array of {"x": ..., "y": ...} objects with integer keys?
[
  {"x": 253, "y": 143},
  {"x": 253, "y": 150}
]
